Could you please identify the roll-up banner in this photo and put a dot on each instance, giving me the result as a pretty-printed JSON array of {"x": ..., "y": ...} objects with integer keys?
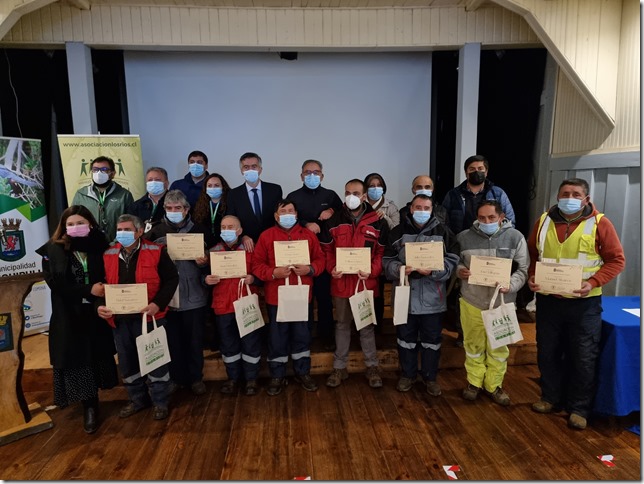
[
  {"x": 23, "y": 220},
  {"x": 78, "y": 150}
]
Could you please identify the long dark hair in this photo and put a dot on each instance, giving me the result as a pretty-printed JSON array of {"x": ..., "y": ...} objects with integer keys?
[
  {"x": 60, "y": 234},
  {"x": 201, "y": 212}
]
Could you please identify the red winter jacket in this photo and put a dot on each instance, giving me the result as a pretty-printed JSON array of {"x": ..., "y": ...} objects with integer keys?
[
  {"x": 342, "y": 231},
  {"x": 263, "y": 261},
  {"x": 226, "y": 292},
  {"x": 146, "y": 270}
]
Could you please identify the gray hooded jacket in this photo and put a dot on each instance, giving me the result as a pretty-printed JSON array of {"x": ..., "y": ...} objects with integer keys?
[{"x": 507, "y": 243}]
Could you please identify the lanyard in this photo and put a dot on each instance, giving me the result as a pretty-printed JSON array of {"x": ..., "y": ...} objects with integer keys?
[
  {"x": 213, "y": 215},
  {"x": 83, "y": 260},
  {"x": 101, "y": 197}
]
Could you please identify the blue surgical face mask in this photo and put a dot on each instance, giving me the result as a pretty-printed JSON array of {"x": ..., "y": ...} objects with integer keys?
[
  {"x": 174, "y": 217},
  {"x": 421, "y": 217},
  {"x": 312, "y": 181},
  {"x": 424, "y": 192},
  {"x": 374, "y": 193},
  {"x": 125, "y": 237},
  {"x": 288, "y": 220},
  {"x": 155, "y": 187},
  {"x": 569, "y": 205},
  {"x": 214, "y": 192},
  {"x": 489, "y": 229},
  {"x": 229, "y": 235},
  {"x": 251, "y": 176},
  {"x": 196, "y": 169}
]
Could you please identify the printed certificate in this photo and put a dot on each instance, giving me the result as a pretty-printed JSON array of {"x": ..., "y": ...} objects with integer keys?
[
  {"x": 126, "y": 298},
  {"x": 425, "y": 255},
  {"x": 185, "y": 246},
  {"x": 289, "y": 253},
  {"x": 487, "y": 271},
  {"x": 228, "y": 264},
  {"x": 558, "y": 278},
  {"x": 350, "y": 260}
]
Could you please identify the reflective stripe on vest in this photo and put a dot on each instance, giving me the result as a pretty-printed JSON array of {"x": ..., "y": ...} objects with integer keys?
[{"x": 578, "y": 248}]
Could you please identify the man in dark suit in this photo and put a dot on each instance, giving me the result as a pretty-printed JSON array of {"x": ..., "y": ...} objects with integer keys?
[{"x": 253, "y": 202}]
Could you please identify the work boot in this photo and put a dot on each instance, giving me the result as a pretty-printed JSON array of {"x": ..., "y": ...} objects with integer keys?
[
  {"x": 276, "y": 385},
  {"x": 433, "y": 388},
  {"x": 252, "y": 388},
  {"x": 543, "y": 407},
  {"x": 307, "y": 382},
  {"x": 374, "y": 377},
  {"x": 335, "y": 378},
  {"x": 404, "y": 384},
  {"x": 159, "y": 413},
  {"x": 576, "y": 421},
  {"x": 198, "y": 388},
  {"x": 500, "y": 396},
  {"x": 471, "y": 392},
  {"x": 229, "y": 387},
  {"x": 130, "y": 409}
]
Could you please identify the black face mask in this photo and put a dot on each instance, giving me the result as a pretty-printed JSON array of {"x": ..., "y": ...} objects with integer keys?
[{"x": 476, "y": 177}]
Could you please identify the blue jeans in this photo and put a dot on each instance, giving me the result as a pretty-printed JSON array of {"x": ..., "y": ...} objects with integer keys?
[
  {"x": 568, "y": 336},
  {"x": 429, "y": 327},
  {"x": 241, "y": 356},
  {"x": 285, "y": 338},
  {"x": 185, "y": 338},
  {"x": 125, "y": 334}
]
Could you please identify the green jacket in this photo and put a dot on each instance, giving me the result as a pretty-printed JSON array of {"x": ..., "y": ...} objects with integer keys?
[{"x": 117, "y": 199}]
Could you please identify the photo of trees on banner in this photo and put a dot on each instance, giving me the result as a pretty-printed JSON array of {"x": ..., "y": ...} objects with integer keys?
[{"x": 23, "y": 222}]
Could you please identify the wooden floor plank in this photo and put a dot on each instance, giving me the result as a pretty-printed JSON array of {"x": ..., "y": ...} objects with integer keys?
[
  {"x": 329, "y": 455},
  {"x": 347, "y": 433}
]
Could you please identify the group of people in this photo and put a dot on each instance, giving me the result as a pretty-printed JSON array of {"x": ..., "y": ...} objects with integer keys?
[{"x": 105, "y": 237}]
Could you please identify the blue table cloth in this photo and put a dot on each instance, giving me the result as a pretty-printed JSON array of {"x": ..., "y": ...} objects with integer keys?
[{"x": 618, "y": 389}]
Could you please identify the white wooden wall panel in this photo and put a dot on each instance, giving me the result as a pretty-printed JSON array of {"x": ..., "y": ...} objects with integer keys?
[
  {"x": 106, "y": 25},
  {"x": 576, "y": 129},
  {"x": 578, "y": 28},
  {"x": 628, "y": 130}
]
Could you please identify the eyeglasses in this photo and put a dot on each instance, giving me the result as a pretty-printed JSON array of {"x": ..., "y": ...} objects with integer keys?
[
  {"x": 103, "y": 169},
  {"x": 314, "y": 172}
]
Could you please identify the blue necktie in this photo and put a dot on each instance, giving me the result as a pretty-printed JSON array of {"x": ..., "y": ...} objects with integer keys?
[{"x": 258, "y": 210}]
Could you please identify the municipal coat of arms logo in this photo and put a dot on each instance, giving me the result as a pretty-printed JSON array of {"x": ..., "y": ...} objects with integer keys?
[{"x": 12, "y": 240}]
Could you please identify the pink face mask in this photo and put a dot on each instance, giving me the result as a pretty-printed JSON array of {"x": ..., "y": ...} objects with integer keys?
[{"x": 78, "y": 230}]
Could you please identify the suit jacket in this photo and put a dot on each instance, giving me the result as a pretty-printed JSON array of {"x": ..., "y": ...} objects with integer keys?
[{"x": 238, "y": 204}]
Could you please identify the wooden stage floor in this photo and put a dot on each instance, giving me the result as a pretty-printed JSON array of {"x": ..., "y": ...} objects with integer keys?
[{"x": 351, "y": 432}]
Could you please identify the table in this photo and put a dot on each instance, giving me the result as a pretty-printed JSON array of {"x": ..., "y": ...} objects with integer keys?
[{"x": 618, "y": 389}]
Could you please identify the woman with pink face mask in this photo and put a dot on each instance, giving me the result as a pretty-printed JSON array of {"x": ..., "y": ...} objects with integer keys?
[{"x": 81, "y": 345}]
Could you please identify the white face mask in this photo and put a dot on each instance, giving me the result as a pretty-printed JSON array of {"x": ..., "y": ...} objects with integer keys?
[
  {"x": 352, "y": 202},
  {"x": 100, "y": 178}
]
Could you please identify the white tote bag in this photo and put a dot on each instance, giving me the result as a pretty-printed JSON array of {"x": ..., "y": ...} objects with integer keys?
[
  {"x": 247, "y": 311},
  {"x": 401, "y": 299},
  {"x": 362, "y": 307},
  {"x": 152, "y": 347},
  {"x": 293, "y": 302},
  {"x": 501, "y": 324}
]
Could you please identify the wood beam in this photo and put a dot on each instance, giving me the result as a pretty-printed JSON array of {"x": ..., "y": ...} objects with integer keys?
[
  {"x": 80, "y": 4},
  {"x": 10, "y": 13},
  {"x": 472, "y": 5}
]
